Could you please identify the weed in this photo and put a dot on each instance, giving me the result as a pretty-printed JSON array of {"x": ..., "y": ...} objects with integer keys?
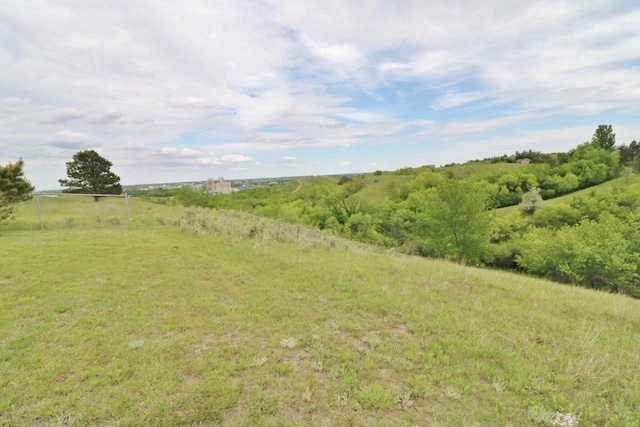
[
  {"x": 342, "y": 399},
  {"x": 501, "y": 386},
  {"x": 66, "y": 419},
  {"x": 540, "y": 415},
  {"x": 135, "y": 344},
  {"x": 200, "y": 348},
  {"x": 405, "y": 399},
  {"x": 564, "y": 420},
  {"x": 289, "y": 343},
  {"x": 317, "y": 365},
  {"x": 259, "y": 361}
]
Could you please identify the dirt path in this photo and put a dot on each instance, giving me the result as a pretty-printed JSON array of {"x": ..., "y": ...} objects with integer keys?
[{"x": 299, "y": 186}]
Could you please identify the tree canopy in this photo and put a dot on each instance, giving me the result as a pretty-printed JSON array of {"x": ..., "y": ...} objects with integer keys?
[
  {"x": 457, "y": 220},
  {"x": 14, "y": 188},
  {"x": 604, "y": 137},
  {"x": 89, "y": 173}
]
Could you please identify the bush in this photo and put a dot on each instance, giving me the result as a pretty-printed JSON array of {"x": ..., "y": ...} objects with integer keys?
[
  {"x": 592, "y": 254},
  {"x": 531, "y": 201},
  {"x": 556, "y": 216}
]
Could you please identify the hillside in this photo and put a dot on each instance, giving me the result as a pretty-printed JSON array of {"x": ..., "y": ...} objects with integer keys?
[
  {"x": 605, "y": 187},
  {"x": 378, "y": 188},
  {"x": 226, "y": 319}
]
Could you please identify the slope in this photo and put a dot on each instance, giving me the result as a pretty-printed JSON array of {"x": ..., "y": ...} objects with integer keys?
[{"x": 237, "y": 320}]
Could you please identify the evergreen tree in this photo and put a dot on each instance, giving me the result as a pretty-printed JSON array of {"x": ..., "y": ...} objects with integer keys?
[
  {"x": 14, "y": 188},
  {"x": 604, "y": 137},
  {"x": 89, "y": 173}
]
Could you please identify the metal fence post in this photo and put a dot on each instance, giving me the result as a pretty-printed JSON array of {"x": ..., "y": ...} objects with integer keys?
[
  {"x": 39, "y": 212},
  {"x": 126, "y": 203}
]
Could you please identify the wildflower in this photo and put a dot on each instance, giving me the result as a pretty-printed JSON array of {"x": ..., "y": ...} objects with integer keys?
[{"x": 565, "y": 420}]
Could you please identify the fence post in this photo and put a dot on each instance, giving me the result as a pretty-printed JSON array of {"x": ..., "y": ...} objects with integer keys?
[
  {"x": 126, "y": 203},
  {"x": 39, "y": 212}
]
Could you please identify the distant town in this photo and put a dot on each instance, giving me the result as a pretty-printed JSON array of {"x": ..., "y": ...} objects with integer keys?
[{"x": 213, "y": 185}]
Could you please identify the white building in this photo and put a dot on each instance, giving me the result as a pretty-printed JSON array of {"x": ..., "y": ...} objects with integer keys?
[{"x": 218, "y": 186}]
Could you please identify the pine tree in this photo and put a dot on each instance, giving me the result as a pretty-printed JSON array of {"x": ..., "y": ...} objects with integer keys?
[
  {"x": 89, "y": 173},
  {"x": 14, "y": 188}
]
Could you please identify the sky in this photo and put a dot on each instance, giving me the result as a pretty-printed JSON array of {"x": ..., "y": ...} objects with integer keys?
[{"x": 182, "y": 91}]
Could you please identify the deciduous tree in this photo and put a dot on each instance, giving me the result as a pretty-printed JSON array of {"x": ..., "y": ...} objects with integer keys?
[
  {"x": 457, "y": 220},
  {"x": 531, "y": 201}
]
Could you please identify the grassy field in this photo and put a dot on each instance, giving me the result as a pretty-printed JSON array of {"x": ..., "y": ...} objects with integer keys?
[
  {"x": 220, "y": 318},
  {"x": 378, "y": 188},
  {"x": 477, "y": 169}
]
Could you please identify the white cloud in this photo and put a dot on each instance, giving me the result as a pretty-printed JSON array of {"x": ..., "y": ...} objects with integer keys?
[
  {"x": 288, "y": 160},
  {"x": 67, "y": 135},
  {"x": 197, "y": 78},
  {"x": 454, "y": 99},
  {"x": 235, "y": 158}
]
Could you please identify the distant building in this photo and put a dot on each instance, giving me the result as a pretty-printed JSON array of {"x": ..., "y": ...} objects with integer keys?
[
  {"x": 218, "y": 186},
  {"x": 524, "y": 161}
]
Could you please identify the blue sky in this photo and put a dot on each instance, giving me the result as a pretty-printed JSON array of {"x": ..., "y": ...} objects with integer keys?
[{"x": 182, "y": 91}]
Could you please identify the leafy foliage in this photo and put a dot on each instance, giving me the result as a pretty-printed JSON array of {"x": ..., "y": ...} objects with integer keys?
[
  {"x": 604, "y": 137},
  {"x": 531, "y": 201},
  {"x": 89, "y": 173},
  {"x": 595, "y": 254},
  {"x": 456, "y": 221},
  {"x": 630, "y": 154},
  {"x": 14, "y": 188}
]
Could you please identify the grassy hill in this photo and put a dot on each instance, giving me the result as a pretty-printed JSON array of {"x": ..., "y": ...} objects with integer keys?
[
  {"x": 378, "y": 188},
  {"x": 220, "y": 318},
  {"x": 603, "y": 188},
  {"x": 466, "y": 170}
]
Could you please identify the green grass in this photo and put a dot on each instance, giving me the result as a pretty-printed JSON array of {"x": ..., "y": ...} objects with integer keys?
[
  {"x": 82, "y": 212},
  {"x": 311, "y": 182},
  {"x": 467, "y": 170},
  {"x": 378, "y": 188},
  {"x": 242, "y": 321}
]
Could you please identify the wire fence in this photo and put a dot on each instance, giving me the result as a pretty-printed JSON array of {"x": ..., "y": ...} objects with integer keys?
[{"x": 72, "y": 210}]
